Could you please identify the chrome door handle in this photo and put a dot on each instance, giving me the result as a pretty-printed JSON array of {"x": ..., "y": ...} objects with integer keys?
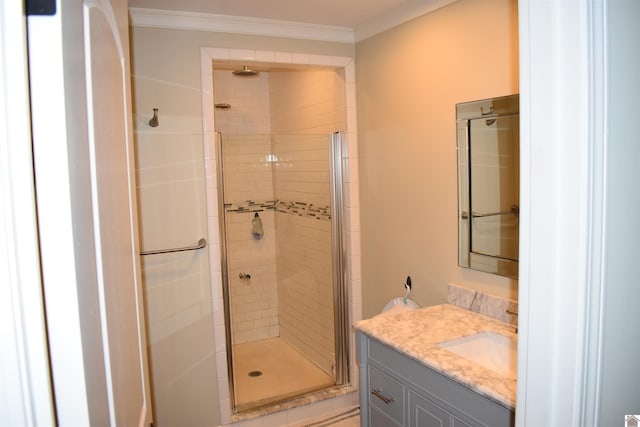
[{"x": 376, "y": 392}]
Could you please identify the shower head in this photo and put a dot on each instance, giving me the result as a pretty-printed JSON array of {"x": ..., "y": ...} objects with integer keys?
[{"x": 245, "y": 72}]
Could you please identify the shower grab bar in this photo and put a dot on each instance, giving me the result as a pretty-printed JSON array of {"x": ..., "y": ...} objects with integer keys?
[
  {"x": 202, "y": 243},
  {"x": 514, "y": 210}
]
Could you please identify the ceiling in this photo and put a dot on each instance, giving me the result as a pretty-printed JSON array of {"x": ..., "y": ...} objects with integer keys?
[{"x": 363, "y": 17}]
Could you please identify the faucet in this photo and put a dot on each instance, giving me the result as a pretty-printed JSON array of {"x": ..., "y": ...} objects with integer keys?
[{"x": 513, "y": 313}]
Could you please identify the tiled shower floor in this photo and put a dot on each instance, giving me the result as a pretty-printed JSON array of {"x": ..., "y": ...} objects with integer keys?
[{"x": 284, "y": 372}]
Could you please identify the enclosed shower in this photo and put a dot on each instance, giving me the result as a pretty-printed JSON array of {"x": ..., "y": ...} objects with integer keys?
[
  {"x": 277, "y": 211},
  {"x": 282, "y": 243}
]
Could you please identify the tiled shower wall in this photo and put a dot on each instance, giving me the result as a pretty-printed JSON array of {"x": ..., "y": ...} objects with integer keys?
[
  {"x": 304, "y": 250},
  {"x": 248, "y": 185},
  {"x": 172, "y": 206},
  {"x": 307, "y": 103},
  {"x": 248, "y": 177},
  {"x": 249, "y": 100},
  {"x": 170, "y": 178}
]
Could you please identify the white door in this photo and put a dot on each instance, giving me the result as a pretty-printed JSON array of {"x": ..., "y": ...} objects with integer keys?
[{"x": 84, "y": 173}]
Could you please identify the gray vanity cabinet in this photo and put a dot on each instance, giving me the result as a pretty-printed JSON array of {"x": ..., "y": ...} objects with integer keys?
[{"x": 396, "y": 390}]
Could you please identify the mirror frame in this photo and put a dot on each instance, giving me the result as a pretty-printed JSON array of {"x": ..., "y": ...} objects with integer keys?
[{"x": 465, "y": 112}]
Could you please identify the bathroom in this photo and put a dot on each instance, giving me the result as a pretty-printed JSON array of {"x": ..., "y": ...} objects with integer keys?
[
  {"x": 574, "y": 281},
  {"x": 404, "y": 143},
  {"x": 577, "y": 262}
]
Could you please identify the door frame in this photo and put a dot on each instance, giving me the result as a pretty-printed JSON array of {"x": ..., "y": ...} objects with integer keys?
[
  {"x": 24, "y": 355},
  {"x": 57, "y": 298}
]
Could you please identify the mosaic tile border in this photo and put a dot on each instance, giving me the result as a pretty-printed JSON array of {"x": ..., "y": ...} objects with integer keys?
[
  {"x": 293, "y": 208},
  {"x": 482, "y": 303},
  {"x": 304, "y": 209},
  {"x": 250, "y": 206}
]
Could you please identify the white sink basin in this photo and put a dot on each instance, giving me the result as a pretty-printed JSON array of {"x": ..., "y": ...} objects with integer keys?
[{"x": 489, "y": 349}]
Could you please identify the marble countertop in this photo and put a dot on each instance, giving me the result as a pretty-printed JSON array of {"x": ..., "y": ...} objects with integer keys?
[{"x": 416, "y": 334}]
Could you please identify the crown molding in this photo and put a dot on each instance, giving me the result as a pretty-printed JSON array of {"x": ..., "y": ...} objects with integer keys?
[{"x": 177, "y": 20}]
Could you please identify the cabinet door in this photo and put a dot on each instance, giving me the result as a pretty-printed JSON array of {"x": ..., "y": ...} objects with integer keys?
[
  {"x": 424, "y": 413},
  {"x": 457, "y": 422},
  {"x": 377, "y": 418}
]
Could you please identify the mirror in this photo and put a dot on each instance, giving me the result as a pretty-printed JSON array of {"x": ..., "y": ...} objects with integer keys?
[{"x": 488, "y": 184}]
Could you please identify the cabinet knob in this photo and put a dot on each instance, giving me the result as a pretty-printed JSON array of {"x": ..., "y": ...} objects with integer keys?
[{"x": 376, "y": 392}]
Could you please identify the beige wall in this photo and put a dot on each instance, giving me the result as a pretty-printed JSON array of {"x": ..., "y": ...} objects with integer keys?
[{"x": 408, "y": 82}]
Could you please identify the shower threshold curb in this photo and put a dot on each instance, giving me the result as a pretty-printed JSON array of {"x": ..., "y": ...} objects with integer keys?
[{"x": 297, "y": 402}]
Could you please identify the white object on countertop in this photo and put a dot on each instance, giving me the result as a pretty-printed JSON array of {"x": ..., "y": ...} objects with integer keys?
[{"x": 398, "y": 305}]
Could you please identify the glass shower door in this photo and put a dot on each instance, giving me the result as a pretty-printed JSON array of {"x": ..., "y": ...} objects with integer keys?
[{"x": 279, "y": 237}]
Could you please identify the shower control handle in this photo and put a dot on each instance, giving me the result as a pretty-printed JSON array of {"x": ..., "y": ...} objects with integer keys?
[{"x": 244, "y": 276}]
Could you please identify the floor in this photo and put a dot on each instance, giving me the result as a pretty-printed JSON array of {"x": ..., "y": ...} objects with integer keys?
[
  {"x": 350, "y": 422},
  {"x": 269, "y": 370},
  {"x": 350, "y": 418}
]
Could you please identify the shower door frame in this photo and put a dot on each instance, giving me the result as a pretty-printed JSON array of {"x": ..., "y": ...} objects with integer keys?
[
  {"x": 339, "y": 251},
  {"x": 339, "y": 263}
]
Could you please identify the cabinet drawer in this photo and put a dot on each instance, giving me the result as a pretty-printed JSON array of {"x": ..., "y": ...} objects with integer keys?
[{"x": 386, "y": 394}]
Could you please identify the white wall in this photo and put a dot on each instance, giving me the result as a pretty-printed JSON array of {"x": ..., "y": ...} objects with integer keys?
[
  {"x": 577, "y": 362},
  {"x": 25, "y": 379},
  {"x": 621, "y": 343}
]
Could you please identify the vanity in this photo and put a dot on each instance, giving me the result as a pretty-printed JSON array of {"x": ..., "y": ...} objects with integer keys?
[{"x": 413, "y": 373}]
